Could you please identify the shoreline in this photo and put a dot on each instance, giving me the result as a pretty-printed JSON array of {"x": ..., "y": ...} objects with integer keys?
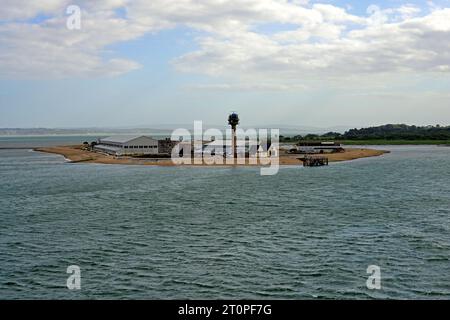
[
  {"x": 75, "y": 154},
  {"x": 383, "y": 142}
]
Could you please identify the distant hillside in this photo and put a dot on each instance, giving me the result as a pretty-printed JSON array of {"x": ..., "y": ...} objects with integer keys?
[
  {"x": 163, "y": 129},
  {"x": 386, "y": 132},
  {"x": 399, "y": 131},
  {"x": 389, "y": 132}
]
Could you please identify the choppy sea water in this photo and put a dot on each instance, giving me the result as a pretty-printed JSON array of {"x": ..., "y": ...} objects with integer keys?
[{"x": 205, "y": 233}]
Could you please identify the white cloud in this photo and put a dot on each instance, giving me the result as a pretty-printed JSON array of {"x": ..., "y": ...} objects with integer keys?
[
  {"x": 248, "y": 87},
  {"x": 25, "y": 9},
  {"x": 408, "y": 11},
  {"x": 49, "y": 50},
  {"x": 335, "y": 14},
  {"x": 412, "y": 45},
  {"x": 327, "y": 42}
]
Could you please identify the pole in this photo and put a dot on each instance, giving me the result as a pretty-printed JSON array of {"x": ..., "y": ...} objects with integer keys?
[{"x": 234, "y": 143}]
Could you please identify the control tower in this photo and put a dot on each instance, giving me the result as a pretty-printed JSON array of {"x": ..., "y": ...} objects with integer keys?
[{"x": 233, "y": 121}]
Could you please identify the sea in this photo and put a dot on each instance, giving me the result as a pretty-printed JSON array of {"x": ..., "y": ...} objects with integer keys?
[{"x": 148, "y": 232}]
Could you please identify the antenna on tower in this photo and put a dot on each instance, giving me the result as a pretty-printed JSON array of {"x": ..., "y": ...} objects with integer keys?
[{"x": 233, "y": 120}]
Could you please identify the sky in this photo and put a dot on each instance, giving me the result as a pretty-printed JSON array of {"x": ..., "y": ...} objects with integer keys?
[{"x": 137, "y": 63}]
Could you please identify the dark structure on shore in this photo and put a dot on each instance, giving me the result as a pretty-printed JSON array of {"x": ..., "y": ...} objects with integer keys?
[
  {"x": 314, "y": 161},
  {"x": 165, "y": 146}
]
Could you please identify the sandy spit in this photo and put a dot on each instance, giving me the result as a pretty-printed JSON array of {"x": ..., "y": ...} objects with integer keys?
[{"x": 76, "y": 154}]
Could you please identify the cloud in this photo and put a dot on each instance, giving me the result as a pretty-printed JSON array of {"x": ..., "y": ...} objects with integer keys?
[
  {"x": 34, "y": 51},
  {"x": 325, "y": 43},
  {"x": 25, "y": 9},
  {"x": 248, "y": 87},
  {"x": 48, "y": 49},
  {"x": 408, "y": 11},
  {"x": 328, "y": 51}
]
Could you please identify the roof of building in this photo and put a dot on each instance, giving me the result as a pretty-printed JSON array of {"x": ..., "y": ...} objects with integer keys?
[
  {"x": 318, "y": 143},
  {"x": 107, "y": 148},
  {"x": 123, "y": 138}
]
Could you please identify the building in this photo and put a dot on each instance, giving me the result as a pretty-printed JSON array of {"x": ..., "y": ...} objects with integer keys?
[
  {"x": 128, "y": 145},
  {"x": 165, "y": 146},
  {"x": 317, "y": 147}
]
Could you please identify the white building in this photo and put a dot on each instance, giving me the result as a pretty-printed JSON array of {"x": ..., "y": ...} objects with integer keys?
[
  {"x": 317, "y": 147},
  {"x": 128, "y": 145}
]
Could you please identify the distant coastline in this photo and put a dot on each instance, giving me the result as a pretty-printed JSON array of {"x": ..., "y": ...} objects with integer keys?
[
  {"x": 384, "y": 142},
  {"x": 390, "y": 134},
  {"x": 381, "y": 142}
]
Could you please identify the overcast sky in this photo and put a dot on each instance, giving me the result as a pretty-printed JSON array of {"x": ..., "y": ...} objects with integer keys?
[{"x": 141, "y": 63}]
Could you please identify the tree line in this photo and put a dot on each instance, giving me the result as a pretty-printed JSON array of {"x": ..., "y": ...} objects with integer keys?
[{"x": 384, "y": 132}]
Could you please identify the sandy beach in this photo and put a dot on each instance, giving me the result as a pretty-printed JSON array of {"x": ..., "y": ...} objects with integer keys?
[{"x": 76, "y": 154}]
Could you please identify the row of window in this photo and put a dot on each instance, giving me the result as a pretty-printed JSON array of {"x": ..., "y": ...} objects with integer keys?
[{"x": 141, "y": 147}]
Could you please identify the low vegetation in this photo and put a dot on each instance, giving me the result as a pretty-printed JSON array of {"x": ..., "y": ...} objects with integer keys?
[{"x": 386, "y": 134}]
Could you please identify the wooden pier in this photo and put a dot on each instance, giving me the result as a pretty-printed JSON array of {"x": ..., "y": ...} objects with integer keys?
[{"x": 314, "y": 161}]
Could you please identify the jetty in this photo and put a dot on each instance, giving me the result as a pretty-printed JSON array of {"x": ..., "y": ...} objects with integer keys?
[{"x": 314, "y": 161}]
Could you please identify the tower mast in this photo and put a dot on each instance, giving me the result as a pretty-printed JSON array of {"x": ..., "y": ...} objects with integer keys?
[{"x": 233, "y": 121}]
